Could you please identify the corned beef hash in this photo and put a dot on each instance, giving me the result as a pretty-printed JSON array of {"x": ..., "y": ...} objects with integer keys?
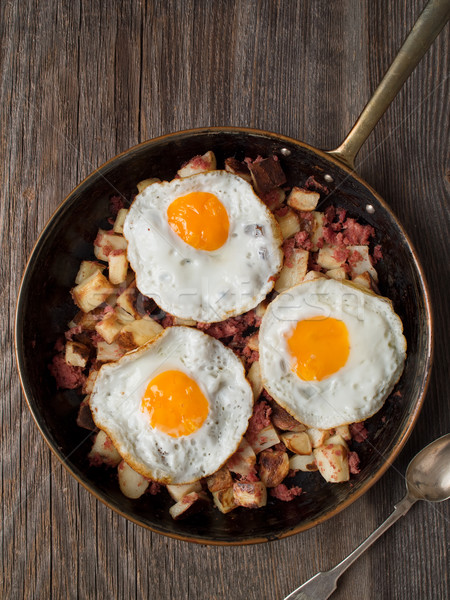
[{"x": 230, "y": 336}]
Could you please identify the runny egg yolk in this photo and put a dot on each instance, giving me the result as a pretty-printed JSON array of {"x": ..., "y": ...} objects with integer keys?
[
  {"x": 175, "y": 404},
  {"x": 320, "y": 346},
  {"x": 199, "y": 219}
]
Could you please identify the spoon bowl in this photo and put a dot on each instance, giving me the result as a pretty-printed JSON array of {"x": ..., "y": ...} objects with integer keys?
[{"x": 428, "y": 474}]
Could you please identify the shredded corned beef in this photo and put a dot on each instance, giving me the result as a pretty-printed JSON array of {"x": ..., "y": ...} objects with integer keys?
[
  {"x": 302, "y": 240},
  {"x": 312, "y": 184},
  {"x": 377, "y": 254},
  {"x": 357, "y": 234},
  {"x": 59, "y": 345},
  {"x": 168, "y": 321},
  {"x": 259, "y": 419},
  {"x": 353, "y": 463},
  {"x": 288, "y": 249},
  {"x": 272, "y": 200},
  {"x": 354, "y": 258},
  {"x": 281, "y": 212},
  {"x": 115, "y": 204},
  {"x": 358, "y": 432},
  {"x": 250, "y": 477},
  {"x": 154, "y": 488},
  {"x": 340, "y": 254},
  {"x": 250, "y": 355},
  {"x": 73, "y": 331},
  {"x": 66, "y": 376},
  {"x": 282, "y": 492}
]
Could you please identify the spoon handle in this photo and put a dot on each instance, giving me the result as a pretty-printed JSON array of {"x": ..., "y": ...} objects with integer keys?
[{"x": 322, "y": 585}]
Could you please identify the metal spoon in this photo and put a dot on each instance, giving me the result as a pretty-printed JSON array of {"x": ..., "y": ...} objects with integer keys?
[{"x": 427, "y": 478}]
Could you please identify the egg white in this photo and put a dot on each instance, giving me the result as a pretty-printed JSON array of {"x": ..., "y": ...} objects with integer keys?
[
  {"x": 116, "y": 406},
  {"x": 207, "y": 286},
  {"x": 375, "y": 363}
]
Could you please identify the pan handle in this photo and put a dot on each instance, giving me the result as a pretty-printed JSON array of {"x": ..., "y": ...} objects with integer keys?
[{"x": 432, "y": 19}]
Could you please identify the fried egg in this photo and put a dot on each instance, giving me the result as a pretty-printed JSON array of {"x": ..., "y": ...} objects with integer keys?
[
  {"x": 330, "y": 352},
  {"x": 204, "y": 247},
  {"x": 176, "y": 408}
]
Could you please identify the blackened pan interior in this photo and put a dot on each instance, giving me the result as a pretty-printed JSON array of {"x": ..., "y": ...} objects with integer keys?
[{"x": 45, "y": 307}]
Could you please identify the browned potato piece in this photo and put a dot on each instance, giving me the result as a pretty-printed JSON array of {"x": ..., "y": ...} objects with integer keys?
[
  {"x": 303, "y": 462},
  {"x": 120, "y": 220},
  {"x": 326, "y": 258},
  {"x": 220, "y": 480},
  {"x": 117, "y": 266},
  {"x": 299, "y": 443},
  {"x": 232, "y": 165},
  {"x": 292, "y": 275},
  {"x": 339, "y": 273},
  {"x": 303, "y": 200},
  {"x": 199, "y": 164},
  {"x": 283, "y": 420},
  {"x": 77, "y": 354},
  {"x": 243, "y": 461},
  {"x": 363, "y": 280},
  {"x": 289, "y": 224},
  {"x": 250, "y": 495},
  {"x": 264, "y": 439},
  {"x": 273, "y": 467},
  {"x": 312, "y": 275},
  {"x": 224, "y": 500},
  {"x": 109, "y": 352},
  {"x": 132, "y": 484},
  {"x": 109, "y": 327},
  {"x": 188, "y": 505},
  {"x": 138, "y": 332},
  {"x": 106, "y": 241},
  {"x": 127, "y": 299},
  {"x": 88, "y": 385},
  {"x": 88, "y": 268},
  {"x": 255, "y": 379},
  {"x": 332, "y": 462},
  {"x": 253, "y": 342},
  {"x": 317, "y": 229},
  {"x": 365, "y": 264},
  {"x": 104, "y": 449},
  {"x": 177, "y": 492},
  {"x": 92, "y": 292},
  {"x": 146, "y": 182},
  {"x": 318, "y": 436}
]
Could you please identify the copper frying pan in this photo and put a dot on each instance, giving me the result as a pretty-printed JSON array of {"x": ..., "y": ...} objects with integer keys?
[{"x": 44, "y": 305}]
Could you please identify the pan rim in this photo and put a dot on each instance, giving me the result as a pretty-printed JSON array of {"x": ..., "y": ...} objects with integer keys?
[{"x": 38, "y": 418}]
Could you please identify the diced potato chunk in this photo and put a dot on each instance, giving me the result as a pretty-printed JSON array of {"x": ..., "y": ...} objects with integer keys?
[
  {"x": 317, "y": 229},
  {"x": 184, "y": 322},
  {"x": 289, "y": 224},
  {"x": 109, "y": 352},
  {"x": 177, "y": 492},
  {"x": 188, "y": 505},
  {"x": 317, "y": 436},
  {"x": 106, "y": 241},
  {"x": 344, "y": 432},
  {"x": 312, "y": 275},
  {"x": 253, "y": 342},
  {"x": 363, "y": 280},
  {"x": 294, "y": 274},
  {"x": 300, "y": 442},
  {"x": 139, "y": 332},
  {"x": 198, "y": 164},
  {"x": 117, "y": 266},
  {"x": 132, "y": 484},
  {"x": 220, "y": 480},
  {"x": 303, "y": 462},
  {"x": 120, "y": 220},
  {"x": 261, "y": 308},
  {"x": 264, "y": 439},
  {"x": 224, "y": 500},
  {"x": 77, "y": 354},
  {"x": 243, "y": 461},
  {"x": 255, "y": 379},
  {"x": 92, "y": 292},
  {"x": 283, "y": 420},
  {"x": 332, "y": 462},
  {"x": 273, "y": 467},
  {"x": 109, "y": 327},
  {"x": 326, "y": 258},
  {"x": 146, "y": 182},
  {"x": 337, "y": 439},
  {"x": 250, "y": 495},
  {"x": 88, "y": 268},
  {"x": 365, "y": 264},
  {"x": 88, "y": 385},
  {"x": 104, "y": 449},
  {"x": 339, "y": 273},
  {"x": 303, "y": 200},
  {"x": 127, "y": 299}
]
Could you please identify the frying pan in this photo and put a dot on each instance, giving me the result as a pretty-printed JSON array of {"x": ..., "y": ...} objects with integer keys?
[{"x": 45, "y": 306}]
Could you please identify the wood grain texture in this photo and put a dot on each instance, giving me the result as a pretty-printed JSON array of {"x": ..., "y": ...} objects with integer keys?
[{"x": 82, "y": 81}]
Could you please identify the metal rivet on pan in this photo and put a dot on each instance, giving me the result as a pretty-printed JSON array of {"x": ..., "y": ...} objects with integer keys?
[
  {"x": 285, "y": 151},
  {"x": 370, "y": 209},
  {"x": 328, "y": 178}
]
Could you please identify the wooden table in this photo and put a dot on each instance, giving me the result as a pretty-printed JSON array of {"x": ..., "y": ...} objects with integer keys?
[{"x": 83, "y": 81}]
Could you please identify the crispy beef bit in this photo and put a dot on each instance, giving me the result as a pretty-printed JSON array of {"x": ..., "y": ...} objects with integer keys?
[
  {"x": 234, "y": 166},
  {"x": 84, "y": 418},
  {"x": 154, "y": 488},
  {"x": 377, "y": 253},
  {"x": 67, "y": 377},
  {"x": 115, "y": 204},
  {"x": 359, "y": 432},
  {"x": 353, "y": 463},
  {"x": 167, "y": 321},
  {"x": 282, "y": 492},
  {"x": 259, "y": 419},
  {"x": 312, "y": 184},
  {"x": 267, "y": 174}
]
